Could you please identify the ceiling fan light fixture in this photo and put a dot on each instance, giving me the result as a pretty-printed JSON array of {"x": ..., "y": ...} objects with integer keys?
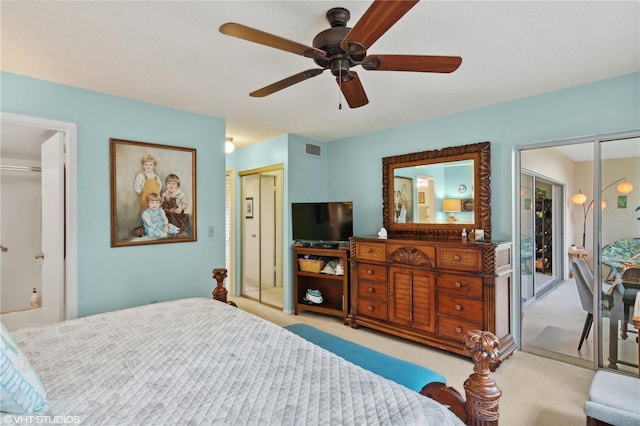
[{"x": 340, "y": 67}]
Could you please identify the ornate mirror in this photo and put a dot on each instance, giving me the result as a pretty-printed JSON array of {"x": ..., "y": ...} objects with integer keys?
[{"x": 436, "y": 194}]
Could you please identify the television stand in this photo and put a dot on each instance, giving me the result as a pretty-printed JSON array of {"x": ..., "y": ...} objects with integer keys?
[{"x": 308, "y": 275}]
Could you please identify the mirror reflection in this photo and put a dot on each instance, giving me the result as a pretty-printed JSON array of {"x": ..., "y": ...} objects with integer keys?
[
  {"x": 438, "y": 193},
  {"x": 434, "y": 193}
]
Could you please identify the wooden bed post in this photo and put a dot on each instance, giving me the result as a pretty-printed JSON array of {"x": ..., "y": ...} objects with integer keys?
[
  {"x": 220, "y": 293},
  {"x": 482, "y": 392}
]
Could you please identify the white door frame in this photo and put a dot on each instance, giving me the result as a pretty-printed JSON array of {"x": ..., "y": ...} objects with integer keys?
[{"x": 70, "y": 131}]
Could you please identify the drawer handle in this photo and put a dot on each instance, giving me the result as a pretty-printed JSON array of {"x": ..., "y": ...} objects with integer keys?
[
  {"x": 458, "y": 308},
  {"x": 369, "y": 250},
  {"x": 458, "y": 330},
  {"x": 370, "y": 308},
  {"x": 370, "y": 290},
  {"x": 457, "y": 285},
  {"x": 369, "y": 271},
  {"x": 457, "y": 258}
]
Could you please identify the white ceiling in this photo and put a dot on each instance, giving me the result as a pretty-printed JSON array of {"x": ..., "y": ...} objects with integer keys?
[{"x": 171, "y": 53}]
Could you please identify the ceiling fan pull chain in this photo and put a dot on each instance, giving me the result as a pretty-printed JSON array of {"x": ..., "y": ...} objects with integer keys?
[{"x": 340, "y": 91}]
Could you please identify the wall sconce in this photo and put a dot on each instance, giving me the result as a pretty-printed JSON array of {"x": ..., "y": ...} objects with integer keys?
[
  {"x": 228, "y": 145},
  {"x": 623, "y": 187},
  {"x": 451, "y": 205}
]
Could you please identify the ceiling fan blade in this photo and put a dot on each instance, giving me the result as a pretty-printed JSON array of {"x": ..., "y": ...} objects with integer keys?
[
  {"x": 251, "y": 34},
  {"x": 289, "y": 81},
  {"x": 353, "y": 91},
  {"x": 416, "y": 63},
  {"x": 381, "y": 15}
]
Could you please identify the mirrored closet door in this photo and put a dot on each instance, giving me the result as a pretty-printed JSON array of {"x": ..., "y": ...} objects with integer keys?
[{"x": 261, "y": 219}]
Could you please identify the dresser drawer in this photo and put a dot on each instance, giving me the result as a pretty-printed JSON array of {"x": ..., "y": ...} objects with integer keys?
[
  {"x": 460, "y": 307},
  {"x": 373, "y": 290},
  {"x": 459, "y": 258},
  {"x": 372, "y": 308},
  {"x": 370, "y": 251},
  {"x": 455, "y": 328},
  {"x": 460, "y": 285},
  {"x": 369, "y": 272}
]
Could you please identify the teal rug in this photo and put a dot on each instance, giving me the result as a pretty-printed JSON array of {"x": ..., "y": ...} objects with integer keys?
[{"x": 406, "y": 373}]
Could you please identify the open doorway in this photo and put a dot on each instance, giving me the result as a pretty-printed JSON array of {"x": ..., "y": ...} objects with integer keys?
[
  {"x": 541, "y": 218},
  {"x": 40, "y": 154},
  {"x": 553, "y": 317}
]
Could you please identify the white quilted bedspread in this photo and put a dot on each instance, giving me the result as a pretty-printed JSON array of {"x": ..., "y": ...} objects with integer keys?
[{"x": 199, "y": 361}]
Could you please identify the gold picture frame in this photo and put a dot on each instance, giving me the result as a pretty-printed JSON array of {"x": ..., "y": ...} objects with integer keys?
[{"x": 168, "y": 184}]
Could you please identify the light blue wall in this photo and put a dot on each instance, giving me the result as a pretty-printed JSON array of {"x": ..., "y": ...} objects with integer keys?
[
  {"x": 308, "y": 173},
  {"x": 607, "y": 106},
  {"x": 114, "y": 278},
  {"x": 350, "y": 170}
]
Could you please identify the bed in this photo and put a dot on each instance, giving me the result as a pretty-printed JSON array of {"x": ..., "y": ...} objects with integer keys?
[{"x": 199, "y": 361}]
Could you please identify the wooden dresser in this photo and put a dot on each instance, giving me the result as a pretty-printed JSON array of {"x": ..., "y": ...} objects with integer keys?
[{"x": 432, "y": 291}]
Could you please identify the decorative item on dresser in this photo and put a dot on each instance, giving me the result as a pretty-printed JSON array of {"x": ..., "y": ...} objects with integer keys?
[{"x": 432, "y": 291}]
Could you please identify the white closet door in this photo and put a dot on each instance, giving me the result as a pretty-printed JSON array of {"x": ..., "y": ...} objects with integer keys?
[{"x": 53, "y": 229}]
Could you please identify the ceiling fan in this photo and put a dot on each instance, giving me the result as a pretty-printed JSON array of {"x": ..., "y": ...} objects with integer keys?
[{"x": 341, "y": 48}]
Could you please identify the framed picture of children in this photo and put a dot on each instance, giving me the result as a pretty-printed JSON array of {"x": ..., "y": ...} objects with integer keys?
[
  {"x": 403, "y": 199},
  {"x": 153, "y": 193}
]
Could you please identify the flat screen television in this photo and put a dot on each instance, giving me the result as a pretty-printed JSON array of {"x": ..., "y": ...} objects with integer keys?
[{"x": 328, "y": 221}]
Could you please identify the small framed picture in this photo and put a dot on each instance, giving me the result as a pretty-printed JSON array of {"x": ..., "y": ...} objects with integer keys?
[
  {"x": 248, "y": 208},
  {"x": 479, "y": 234},
  {"x": 420, "y": 197},
  {"x": 622, "y": 201}
]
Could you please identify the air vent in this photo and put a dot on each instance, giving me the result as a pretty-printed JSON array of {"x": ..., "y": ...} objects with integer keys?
[{"x": 311, "y": 149}]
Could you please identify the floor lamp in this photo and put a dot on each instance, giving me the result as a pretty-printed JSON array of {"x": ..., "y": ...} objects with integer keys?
[{"x": 623, "y": 187}]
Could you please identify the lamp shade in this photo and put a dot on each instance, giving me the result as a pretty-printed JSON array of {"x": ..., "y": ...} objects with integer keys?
[
  {"x": 579, "y": 198},
  {"x": 451, "y": 205},
  {"x": 624, "y": 187}
]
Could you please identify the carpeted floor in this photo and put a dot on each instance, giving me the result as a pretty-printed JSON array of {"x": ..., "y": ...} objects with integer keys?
[
  {"x": 535, "y": 390},
  {"x": 552, "y": 326},
  {"x": 555, "y": 339}
]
